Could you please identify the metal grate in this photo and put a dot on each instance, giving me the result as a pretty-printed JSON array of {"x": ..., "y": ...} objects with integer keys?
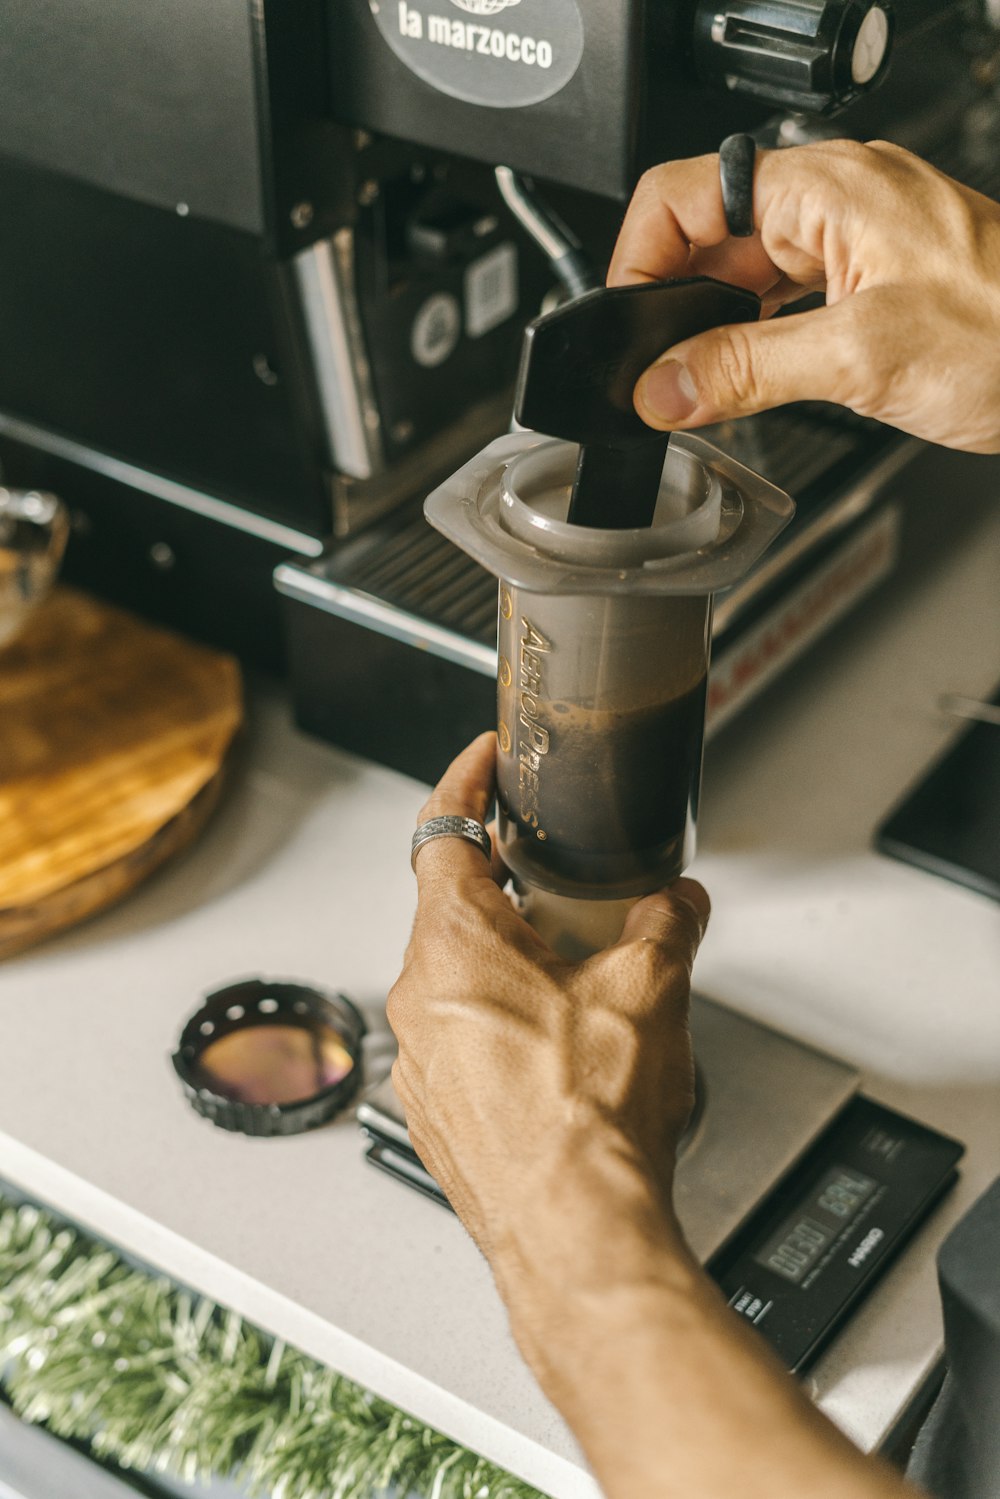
[
  {"x": 805, "y": 450},
  {"x": 415, "y": 568}
]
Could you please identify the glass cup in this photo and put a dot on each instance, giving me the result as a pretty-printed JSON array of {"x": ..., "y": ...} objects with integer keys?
[{"x": 33, "y": 531}]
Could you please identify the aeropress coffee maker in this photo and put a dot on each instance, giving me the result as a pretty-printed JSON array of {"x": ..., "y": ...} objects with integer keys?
[
  {"x": 609, "y": 541},
  {"x": 609, "y": 545}
]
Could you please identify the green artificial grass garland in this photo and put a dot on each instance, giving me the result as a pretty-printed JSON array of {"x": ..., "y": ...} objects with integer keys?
[{"x": 155, "y": 1379}]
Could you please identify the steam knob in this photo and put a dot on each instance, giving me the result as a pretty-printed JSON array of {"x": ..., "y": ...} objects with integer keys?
[{"x": 813, "y": 55}]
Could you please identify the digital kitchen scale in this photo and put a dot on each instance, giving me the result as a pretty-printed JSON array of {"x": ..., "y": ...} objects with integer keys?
[{"x": 793, "y": 1190}]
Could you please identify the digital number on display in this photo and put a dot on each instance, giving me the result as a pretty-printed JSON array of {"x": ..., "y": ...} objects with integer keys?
[{"x": 804, "y": 1235}]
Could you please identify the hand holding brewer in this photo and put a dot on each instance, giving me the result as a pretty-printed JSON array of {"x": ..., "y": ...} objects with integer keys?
[
  {"x": 536, "y": 1088},
  {"x": 548, "y": 1099},
  {"x": 910, "y": 264}
]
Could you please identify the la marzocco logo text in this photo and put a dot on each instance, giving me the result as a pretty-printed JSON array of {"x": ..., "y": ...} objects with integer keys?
[
  {"x": 484, "y": 7},
  {"x": 469, "y": 36}
]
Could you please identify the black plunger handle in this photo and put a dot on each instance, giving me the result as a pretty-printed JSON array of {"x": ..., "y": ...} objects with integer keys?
[
  {"x": 630, "y": 474},
  {"x": 579, "y": 366}
]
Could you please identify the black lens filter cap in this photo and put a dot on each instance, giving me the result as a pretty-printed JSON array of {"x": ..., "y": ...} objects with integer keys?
[{"x": 266, "y": 1057}]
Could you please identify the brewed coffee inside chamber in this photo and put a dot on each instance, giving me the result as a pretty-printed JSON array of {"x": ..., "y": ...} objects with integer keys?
[{"x": 619, "y": 788}]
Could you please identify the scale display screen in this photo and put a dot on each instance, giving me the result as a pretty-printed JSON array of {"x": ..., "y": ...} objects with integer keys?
[
  {"x": 818, "y": 1243},
  {"x": 799, "y": 1242}
]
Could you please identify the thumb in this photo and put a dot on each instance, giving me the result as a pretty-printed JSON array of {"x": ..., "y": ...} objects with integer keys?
[{"x": 747, "y": 367}]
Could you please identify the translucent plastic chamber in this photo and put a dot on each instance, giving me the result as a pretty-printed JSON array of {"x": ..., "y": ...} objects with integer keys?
[
  {"x": 603, "y": 652},
  {"x": 601, "y": 696}
]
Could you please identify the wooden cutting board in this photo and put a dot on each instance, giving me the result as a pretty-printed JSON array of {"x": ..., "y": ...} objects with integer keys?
[{"x": 114, "y": 736}]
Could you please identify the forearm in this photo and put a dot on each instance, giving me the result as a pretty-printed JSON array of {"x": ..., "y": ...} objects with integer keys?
[
  {"x": 545, "y": 1097},
  {"x": 666, "y": 1390}
]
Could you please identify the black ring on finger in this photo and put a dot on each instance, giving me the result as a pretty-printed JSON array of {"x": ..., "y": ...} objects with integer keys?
[{"x": 737, "y": 156}]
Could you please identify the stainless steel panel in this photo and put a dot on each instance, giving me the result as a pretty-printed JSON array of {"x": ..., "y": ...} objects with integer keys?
[{"x": 767, "y": 1098}]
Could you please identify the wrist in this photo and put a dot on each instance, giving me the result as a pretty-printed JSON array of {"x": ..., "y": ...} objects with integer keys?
[
  {"x": 594, "y": 1247},
  {"x": 585, "y": 1334}
]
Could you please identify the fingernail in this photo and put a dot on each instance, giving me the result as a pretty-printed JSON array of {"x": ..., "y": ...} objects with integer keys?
[{"x": 668, "y": 392}]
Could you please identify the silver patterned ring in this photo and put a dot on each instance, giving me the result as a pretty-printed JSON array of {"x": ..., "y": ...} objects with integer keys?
[{"x": 451, "y": 827}]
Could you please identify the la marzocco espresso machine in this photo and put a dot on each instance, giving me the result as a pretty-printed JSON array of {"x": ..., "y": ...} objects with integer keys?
[{"x": 266, "y": 270}]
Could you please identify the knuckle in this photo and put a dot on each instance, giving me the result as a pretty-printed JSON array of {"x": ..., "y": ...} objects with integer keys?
[
  {"x": 834, "y": 176},
  {"x": 664, "y": 182},
  {"x": 879, "y": 175},
  {"x": 656, "y": 986},
  {"x": 678, "y": 931},
  {"x": 432, "y": 807},
  {"x": 649, "y": 182},
  {"x": 880, "y": 147},
  {"x": 690, "y": 920},
  {"x": 437, "y": 910},
  {"x": 453, "y": 931},
  {"x": 650, "y": 962},
  {"x": 855, "y": 152},
  {"x": 843, "y": 161},
  {"x": 653, "y": 181},
  {"x": 735, "y": 376},
  {"x": 677, "y": 958},
  {"x": 456, "y": 926},
  {"x": 395, "y": 1007},
  {"x": 882, "y": 171}
]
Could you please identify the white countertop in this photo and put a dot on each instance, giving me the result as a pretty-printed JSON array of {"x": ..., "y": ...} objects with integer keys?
[{"x": 304, "y": 873}]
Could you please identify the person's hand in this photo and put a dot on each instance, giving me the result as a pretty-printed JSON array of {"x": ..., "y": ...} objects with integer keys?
[
  {"x": 539, "y": 1092},
  {"x": 910, "y": 264},
  {"x": 548, "y": 1099}
]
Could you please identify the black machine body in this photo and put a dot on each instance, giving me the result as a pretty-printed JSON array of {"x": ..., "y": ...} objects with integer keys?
[
  {"x": 588, "y": 94},
  {"x": 262, "y": 291}
]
